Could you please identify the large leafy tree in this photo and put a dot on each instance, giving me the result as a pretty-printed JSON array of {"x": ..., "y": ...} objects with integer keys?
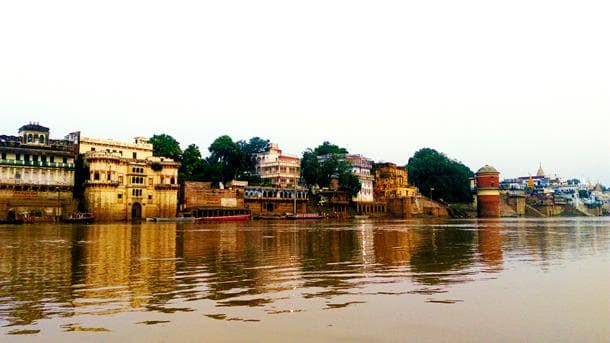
[
  {"x": 249, "y": 149},
  {"x": 192, "y": 168},
  {"x": 328, "y": 148},
  {"x": 320, "y": 172},
  {"x": 166, "y": 146},
  {"x": 228, "y": 155},
  {"x": 429, "y": 168}
]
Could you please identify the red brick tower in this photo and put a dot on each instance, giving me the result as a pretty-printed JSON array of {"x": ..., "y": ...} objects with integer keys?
[{"x": 488, "y": 192}]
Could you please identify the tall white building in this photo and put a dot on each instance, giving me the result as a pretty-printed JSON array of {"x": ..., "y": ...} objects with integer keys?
[
  {"x": 279, "y": 169},
  {"x": 361, "y": 167}
]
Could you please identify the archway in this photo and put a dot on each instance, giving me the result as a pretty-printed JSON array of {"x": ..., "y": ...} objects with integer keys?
[
  {"x": 11, "y": 216},
  {"x": 136, "y": 211}
]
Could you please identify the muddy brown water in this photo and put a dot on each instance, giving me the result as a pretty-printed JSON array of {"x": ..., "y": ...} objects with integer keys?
[{"x": 362, "y": 280}]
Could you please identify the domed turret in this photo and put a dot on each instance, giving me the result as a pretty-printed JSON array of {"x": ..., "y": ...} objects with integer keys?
[
  {"x": 488, "y": 192},
  {"x": 540, "y": 171}
]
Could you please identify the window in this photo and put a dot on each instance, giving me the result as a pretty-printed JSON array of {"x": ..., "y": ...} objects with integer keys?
[
  {"x": 52, "y": 159},
  {"x": 120, "y": 179},
  {"x": 43, "y": 158},
  {"x": 120, "y": 196},
  {"x": 30, "y": 138},
  {"x": 92, "y": 149},
  {"x": 172, "y": 181},
  {"x": 96, "y": 176},
  {"x": 26, "y": 158},
  {"x": 4, "y": 156},
  {"x": 17, "y": 157},
  {"x": 150, "y": 197},
  {"x": 35, "y": 158},
  {"x": 41, "y": 139},
  {"x": 65, "y": 160},
  {"x": 135, "y": 155},
  {"x": 136, "y": 192}
]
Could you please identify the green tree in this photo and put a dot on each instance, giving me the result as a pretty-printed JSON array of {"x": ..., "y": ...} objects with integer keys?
[
  {"x": 192, "y": 164},
  {"x": 249, "y": 149},
  {"x": 228, "y": 155},
  {"x": 329, "y": 148},
  {"x": 166, "y": 146},
  {"x": 319, "y": 172},
  {"x": 310, "y": 167},
  {"x": 429, "y": 168}
]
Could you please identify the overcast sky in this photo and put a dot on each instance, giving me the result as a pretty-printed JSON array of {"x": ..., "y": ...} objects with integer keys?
[{"x": 510, "y": 84}]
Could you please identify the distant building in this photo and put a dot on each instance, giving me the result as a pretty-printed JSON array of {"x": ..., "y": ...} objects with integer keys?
[
  {"x": 125, "y": 181},
  {"x": 278, "y": 169},
  {"x": 36, "y": 175},
  {"x": 361, "y": 167},
  {"x": 392, "y": 182}
]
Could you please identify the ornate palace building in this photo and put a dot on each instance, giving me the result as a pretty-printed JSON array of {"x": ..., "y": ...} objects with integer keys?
[
  {"x": 36, "y": 175},
  {"x": 392, "y": 182},
  {"x": 125, "y": 181},
  {"x": 279, "y": 169}
]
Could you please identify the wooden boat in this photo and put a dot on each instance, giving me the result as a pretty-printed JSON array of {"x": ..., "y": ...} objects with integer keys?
[
  {"x": 79, "y": 217},
  {"x": 171, "y": 219},
  {"x": 304, "y": 216},
  {"x": 231, "y": 218}
]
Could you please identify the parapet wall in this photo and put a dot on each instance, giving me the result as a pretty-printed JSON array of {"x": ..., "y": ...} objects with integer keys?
[{"x": 201, "y": 194}]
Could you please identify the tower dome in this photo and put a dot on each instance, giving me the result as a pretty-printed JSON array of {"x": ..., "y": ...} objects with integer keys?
[{"x": 540, "y": 171}]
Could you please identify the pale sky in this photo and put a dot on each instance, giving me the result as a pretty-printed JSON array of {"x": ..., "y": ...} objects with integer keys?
[{"x": 509, "y": 84}]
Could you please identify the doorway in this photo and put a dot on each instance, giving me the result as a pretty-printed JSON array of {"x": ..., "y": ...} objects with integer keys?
[{"x": 136, "y": 211}]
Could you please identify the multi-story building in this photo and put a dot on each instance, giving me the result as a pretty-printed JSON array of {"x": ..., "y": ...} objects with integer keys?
[
  {"x": 125, "y": 181},
  {"x": 36, "y": 175},
  {"x": 392, "y": 182},
  {"x": 278, "y": 169},
  {"x": 361, "y": 167}
]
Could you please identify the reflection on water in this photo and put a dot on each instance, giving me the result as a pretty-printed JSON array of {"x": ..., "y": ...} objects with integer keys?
[{"x": 63, "y": 274}]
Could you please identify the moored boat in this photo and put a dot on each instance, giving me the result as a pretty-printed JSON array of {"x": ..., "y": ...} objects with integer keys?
[
  {"x": 80, "y": 217},
  {"x": 229, "y": 218},
  {"x": 304, "y": 216}
]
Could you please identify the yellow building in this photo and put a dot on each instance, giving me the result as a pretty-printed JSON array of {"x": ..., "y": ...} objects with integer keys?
[
  {"x": 391, "y": 182},
  {"x": 125, "y": 181}
]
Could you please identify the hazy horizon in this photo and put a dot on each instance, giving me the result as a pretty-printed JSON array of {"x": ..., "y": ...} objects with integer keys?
[{"x": 512, "y": 85}]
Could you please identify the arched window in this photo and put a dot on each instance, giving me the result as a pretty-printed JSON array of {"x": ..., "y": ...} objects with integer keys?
[
  {"x": 41, "y": 139},
  {"x": 172, "y": 181},
  {"x": 30, "y": 138}
]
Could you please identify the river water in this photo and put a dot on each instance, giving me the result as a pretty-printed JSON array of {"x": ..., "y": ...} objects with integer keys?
[{"x": 362, "y": 280}]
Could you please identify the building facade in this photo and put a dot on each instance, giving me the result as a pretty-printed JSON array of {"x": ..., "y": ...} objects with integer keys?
[
  {"x": 361, "y": 167},
  {"x": 278, "y": 169},
  {"x": 36, "y": 175},
  {"x": 125, "y": 181},
  {"x": 392, "y": 182}
]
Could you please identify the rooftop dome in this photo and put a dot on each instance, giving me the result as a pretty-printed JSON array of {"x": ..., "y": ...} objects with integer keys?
[
  {"x": 488, "y": 170},
  {"x": 540, "y": 171},
  {"x": 33, "y": 127}
]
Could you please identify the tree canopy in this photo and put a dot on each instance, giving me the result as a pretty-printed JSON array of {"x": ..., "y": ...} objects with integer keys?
[
  {"x": 319, "y": 172},
  {"x": 166, "y": 146},
  {"x": 429, "y": 168}
]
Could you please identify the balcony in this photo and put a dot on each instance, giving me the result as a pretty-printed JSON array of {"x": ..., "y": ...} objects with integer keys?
[
  {"x": 37, "y": 164},
  {"x": 102, "y": 183},
  {"x": 167, "y": 186}
]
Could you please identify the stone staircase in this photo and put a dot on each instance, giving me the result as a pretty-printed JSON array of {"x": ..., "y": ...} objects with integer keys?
[{"x": 530, "y": 211}]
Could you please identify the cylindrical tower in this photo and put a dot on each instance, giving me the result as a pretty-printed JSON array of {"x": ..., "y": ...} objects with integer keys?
[{"x": 488, "y": 192}]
